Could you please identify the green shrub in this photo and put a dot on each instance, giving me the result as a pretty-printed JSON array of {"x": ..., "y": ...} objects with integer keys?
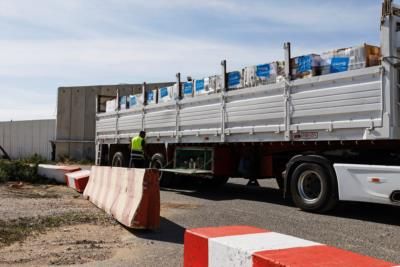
[{"x": 18, "y": 171}]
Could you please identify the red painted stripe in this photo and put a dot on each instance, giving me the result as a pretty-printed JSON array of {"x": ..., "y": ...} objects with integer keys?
[
  {"x": 317, "y": 256},
  {"x": 213, "y": 232},
  {"x": 196, "y": 242}
]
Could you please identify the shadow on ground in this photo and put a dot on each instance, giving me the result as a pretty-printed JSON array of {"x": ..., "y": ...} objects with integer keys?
[
  {"x": 169, "y": 232},
  {"x": 384, "y": 214}
]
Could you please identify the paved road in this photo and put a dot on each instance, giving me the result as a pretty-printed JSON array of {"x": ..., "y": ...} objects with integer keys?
[{"x": 368, "y": 229}]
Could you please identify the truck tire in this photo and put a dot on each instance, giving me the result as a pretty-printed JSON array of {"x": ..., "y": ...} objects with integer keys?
[
  {"x": 158, "y": 162},
  {"x": 118, "y": 160},
  {"x": 313, "y": 189}
]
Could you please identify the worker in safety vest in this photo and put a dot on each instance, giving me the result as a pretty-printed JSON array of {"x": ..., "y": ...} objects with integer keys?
[{"x": 137, "y": 150}]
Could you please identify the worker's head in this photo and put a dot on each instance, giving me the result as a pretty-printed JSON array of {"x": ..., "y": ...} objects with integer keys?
[{"x": 142, "y": 134}]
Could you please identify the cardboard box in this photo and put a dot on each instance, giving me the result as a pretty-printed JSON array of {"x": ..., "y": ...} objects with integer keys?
[
  {"x": 351, "y": 58},
  {"x": 123, "y": 102},
  {"x": 215, "y": 83},
  {"x": 135, "y": 101},
  {"x": 151, "y": 97},
  {"x": 187, "y": 89},
  {"x": 306, "y": 66},
  {"x": 261, "y": 74},
  {"x": 166, "y": 94},
  {"x": 202, "y": 87},
  {"x": 235, "y": 80},
  {"x": 111, "y": 105}
]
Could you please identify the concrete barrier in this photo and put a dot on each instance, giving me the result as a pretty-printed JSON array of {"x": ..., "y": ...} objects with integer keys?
[
  {"x": 246, "y": 246},
  {"x": 131, "y": 196},
  {"x": 56, "y": 172},
  {"x": 78, "y": 180}
]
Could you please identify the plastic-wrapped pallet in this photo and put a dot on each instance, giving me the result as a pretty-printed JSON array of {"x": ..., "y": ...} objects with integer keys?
[
  {"x": 260, "y": 74},
  {"x": 306, "y": 66},
  {"x": 111, "y": 105},
  {"x": 202, "y": 87},
  {"x": 351, "y": 58},
  {"x": 135, "y": 101},
  {"x": 123, "y": 103},
  {"x": 187, "y": 89},
  {"x": 215, "y": 83},
  {"x": 166, "y": 94},
  {"x": 151, "y": 97},
  {"x": 235, "y": 80}
]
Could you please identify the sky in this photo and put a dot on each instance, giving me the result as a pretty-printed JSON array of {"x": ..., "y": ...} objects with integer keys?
[{"x": 45, "y": 44}]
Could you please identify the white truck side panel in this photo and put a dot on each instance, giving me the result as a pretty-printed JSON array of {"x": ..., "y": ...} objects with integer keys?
[
  {"x": 342, "y": 106},
  {"x": 358, "y": 182}
]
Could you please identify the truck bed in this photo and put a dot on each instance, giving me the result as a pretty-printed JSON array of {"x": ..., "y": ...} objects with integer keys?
[{"x": 342, "y": 106}]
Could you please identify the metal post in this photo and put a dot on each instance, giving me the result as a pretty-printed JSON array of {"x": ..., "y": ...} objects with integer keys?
[
  {"x": 224, "y": 76},
  {"x": 178, "y": 84},
  {"x": 288, "y": 55},
  {"x": 144, "y": 94},
  {"x": 288, "y": 74}
]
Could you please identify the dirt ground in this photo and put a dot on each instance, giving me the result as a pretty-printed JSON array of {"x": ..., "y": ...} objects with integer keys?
[{"x": 53, "y": 225}]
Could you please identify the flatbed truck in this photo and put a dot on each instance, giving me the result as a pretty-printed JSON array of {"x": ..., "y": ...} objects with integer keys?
[{"x": 325, "y": 139}]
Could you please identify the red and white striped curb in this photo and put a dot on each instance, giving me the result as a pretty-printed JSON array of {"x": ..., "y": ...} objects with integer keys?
[
  {"x": 78, "y": 180},
  {"x": 247, "y": 246}
]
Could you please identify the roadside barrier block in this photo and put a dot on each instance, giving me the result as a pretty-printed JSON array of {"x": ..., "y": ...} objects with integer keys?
[
  {"x": 131, "y": 196},
  {"x": 245, "y": 246},
  {"x": 56, "y": 172},
  {"x": 78, "y": 180}
]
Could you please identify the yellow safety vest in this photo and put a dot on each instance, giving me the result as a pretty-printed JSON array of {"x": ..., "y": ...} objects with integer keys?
[{"x": 137, "y": 144}]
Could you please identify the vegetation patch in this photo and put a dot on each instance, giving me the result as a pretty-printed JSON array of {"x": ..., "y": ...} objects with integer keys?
[
  {"x": 17, "y": 230},
  {"x": 21, "y": 170}
]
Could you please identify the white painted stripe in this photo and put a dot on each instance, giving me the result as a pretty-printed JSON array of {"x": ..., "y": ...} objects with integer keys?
[{"x": 237, "y": 251}]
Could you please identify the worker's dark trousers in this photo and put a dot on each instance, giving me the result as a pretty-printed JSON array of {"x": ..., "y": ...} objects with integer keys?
[{"x": 137, "y": 160}]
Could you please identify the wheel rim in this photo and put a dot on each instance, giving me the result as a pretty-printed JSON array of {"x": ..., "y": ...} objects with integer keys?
[
  {"x": 157, "y": 165},
  {"x": 117, "y": 162},
  {"x": 310, "y": 187}
]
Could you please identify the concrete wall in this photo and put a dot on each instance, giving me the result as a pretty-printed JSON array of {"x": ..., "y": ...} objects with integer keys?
[
  {"x": 76, "y": 117},
  {"x": 23, "y": 139}
]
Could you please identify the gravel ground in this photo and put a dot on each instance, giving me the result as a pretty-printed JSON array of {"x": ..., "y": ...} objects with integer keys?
[{"x": 368, "y": 229}]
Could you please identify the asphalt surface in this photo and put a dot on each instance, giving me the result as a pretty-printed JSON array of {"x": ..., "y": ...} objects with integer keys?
[{"x": 363, "y": 228}]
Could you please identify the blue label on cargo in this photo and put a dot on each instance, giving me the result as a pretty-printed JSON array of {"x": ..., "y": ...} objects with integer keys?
[
  {"x": 188, "y": 88},
  {"x": 304, "y": 64},
  {"x": 133, "y": 101},
  {"x": 199, "y": 85},
  {"x": 150, "y": 96},
  {"x": 340, "y": 64},
  {"x": 164, "y": 92},
  {"x": 233, "y": 78},
  {"x": 263, "y": 71},
  {"x": 122, "y": 100}
]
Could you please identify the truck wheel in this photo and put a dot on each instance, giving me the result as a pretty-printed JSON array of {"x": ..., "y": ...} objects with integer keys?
[
  {"x": 118, "y": 160},
  {"x": 158, "y": 162},
  {"x": 312, "y": 188}
]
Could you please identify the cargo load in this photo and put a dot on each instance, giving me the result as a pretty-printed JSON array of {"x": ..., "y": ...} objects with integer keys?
[
  {"x": 262, "y": 74},
  {"x": 306, "y": 66},
  {"x": 351, "y": 58},
  {"x": 111, "y": 105},
  {"x": 202, "y": 87},
  {"x": 123, "y": 102},
  {"x": 235, "y": 80},
  {"x": 166, "y": 94},
  {"x": 215, "y": 83},
  {"x": 187, "y": 89},
  {"x": 151, "y": 97},
  {"x": 135, "y": 101}
]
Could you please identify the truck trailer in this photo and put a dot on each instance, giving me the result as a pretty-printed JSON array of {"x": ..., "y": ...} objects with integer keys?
[{"x": 326, "y": 138}]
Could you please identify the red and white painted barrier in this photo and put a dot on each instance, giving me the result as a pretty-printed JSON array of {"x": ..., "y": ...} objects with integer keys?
[
  {"x": 78, "y": 180},
  {"x": 56, "y": 172},
  {"x": 131, "y": 196},
  {"x": 246, "y": 246}
]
